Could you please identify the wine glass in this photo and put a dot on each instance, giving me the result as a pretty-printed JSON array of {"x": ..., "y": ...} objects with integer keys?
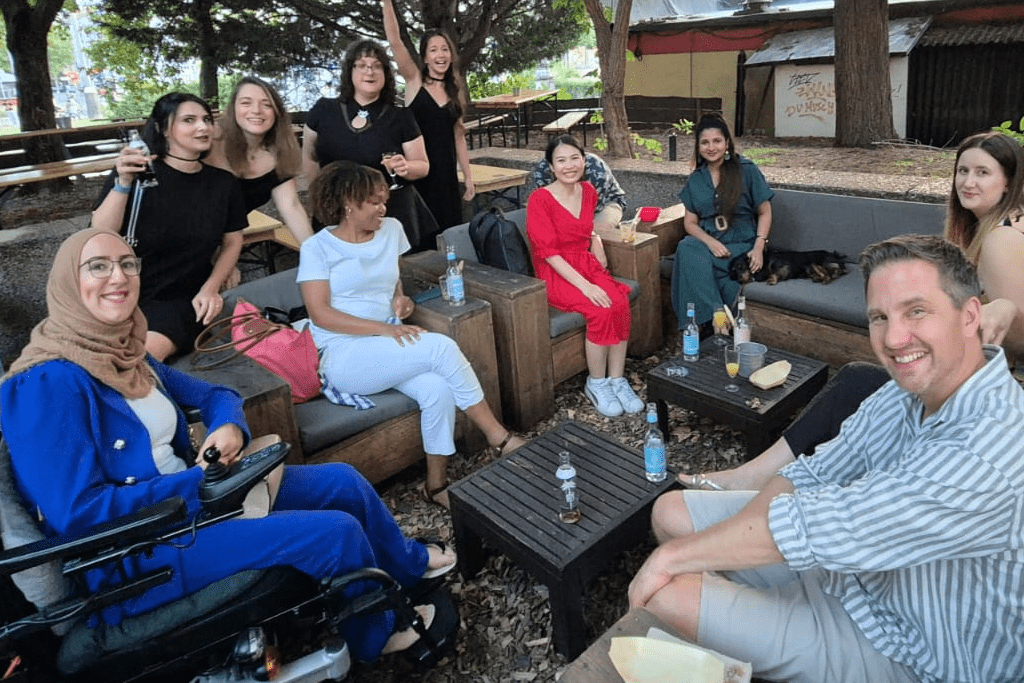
[
  {"x": 732, "y": 366},
  {"x": 721, "y": 321},
  {"x": 386, "y": 158}
]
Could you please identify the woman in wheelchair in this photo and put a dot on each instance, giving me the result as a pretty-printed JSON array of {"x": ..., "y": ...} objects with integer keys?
[{"x": 95, "y": 432}]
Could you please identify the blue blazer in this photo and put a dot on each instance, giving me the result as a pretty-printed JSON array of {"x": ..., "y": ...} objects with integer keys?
[{"x": 76, "y": 445}]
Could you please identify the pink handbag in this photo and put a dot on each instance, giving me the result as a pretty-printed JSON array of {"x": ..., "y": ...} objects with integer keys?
[{"x": 289, "y": 354}]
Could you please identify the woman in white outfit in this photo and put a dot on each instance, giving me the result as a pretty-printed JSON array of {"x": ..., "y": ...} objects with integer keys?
[{"x": 349, "y": 279}]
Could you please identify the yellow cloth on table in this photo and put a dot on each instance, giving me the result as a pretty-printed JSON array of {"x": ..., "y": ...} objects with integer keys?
[{"x": 666, "y": 659}]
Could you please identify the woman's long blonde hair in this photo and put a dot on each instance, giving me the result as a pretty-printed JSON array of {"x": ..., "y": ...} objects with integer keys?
[
  {"x": 279, "y": 140},
  {"x": 962, "y": 227}
]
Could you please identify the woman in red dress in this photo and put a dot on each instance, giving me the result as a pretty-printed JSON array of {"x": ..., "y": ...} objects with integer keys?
[{"x": 569, "y": 257}]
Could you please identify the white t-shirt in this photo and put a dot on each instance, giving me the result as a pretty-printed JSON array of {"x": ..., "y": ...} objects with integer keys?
[{"x": 362, "y": 277}]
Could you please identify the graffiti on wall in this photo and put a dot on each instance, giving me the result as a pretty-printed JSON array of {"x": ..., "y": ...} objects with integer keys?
[{"x": 811, "y": 95}]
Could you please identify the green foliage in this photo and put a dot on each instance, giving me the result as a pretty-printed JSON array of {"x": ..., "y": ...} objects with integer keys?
[
  {"x": 762, "y": 155},
  {"x": 1006, "y": 127},
  {"x": 685, "y": 126},
  {"x": 573, "y": 83},
  {"x": 649, "y": 144}
]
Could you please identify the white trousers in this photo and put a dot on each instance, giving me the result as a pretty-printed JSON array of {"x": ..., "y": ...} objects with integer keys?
[{"x": 433, "y": 372}]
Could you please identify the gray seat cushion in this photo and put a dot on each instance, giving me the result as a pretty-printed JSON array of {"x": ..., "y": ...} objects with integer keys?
[
  {"x": 805, "y": 221},
  {"x": 322, "y": 424}
]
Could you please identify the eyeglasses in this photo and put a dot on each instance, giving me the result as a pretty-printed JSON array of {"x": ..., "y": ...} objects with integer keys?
[
  {"x": 102, "y": 268},
  {"x": 372, "y": 67}
]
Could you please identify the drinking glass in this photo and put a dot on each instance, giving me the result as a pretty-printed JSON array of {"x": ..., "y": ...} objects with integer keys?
[
  {"x": 386, "y": 158},
  {"x": 720, "y": 321},
  {"x": 732, "y": 366}
]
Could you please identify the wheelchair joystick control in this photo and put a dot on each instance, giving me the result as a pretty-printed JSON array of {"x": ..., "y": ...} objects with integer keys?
[
  {"x": 224, "y": 487},
  {"x": 215, "y": 469}
]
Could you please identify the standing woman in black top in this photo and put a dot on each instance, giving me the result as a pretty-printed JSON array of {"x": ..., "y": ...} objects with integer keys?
[
  {"x": 256, "y": 143},
  {"x": 194, "y": 211},
  {"x": 362, "y": 125},
  {"x": 434, "y": 92}
]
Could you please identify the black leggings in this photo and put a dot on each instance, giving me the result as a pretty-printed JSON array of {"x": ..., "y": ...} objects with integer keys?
[{"x": 821, "y": 419}]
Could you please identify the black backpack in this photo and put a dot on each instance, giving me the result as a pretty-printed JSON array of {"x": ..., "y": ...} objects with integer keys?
[{"x": 499, "y": 243}]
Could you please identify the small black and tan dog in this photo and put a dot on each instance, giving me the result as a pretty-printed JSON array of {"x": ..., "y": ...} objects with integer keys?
[{"x": 818, "y": 265}]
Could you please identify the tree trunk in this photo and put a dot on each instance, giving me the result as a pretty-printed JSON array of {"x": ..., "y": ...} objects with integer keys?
[
  {"x": 208, "y": 62},
  {"x": 863, "y": 91},
  {"x": 611, "y": 53},
  {"x": 27, "y": 28}
]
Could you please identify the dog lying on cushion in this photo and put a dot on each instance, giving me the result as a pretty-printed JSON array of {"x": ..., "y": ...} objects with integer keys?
[{"x": 818, "y": 265}]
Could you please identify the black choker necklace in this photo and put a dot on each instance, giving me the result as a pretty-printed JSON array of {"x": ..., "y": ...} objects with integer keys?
[{"x": 168, "y": 154}]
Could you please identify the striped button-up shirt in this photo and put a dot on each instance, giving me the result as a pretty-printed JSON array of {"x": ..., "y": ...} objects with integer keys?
[{"x": 920, "y": 526}]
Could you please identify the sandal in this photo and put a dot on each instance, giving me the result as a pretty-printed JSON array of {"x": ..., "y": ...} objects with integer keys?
[
  {"x": 443, "y": 548},
  {"x": 430, "y": 495},
  {"x": 699, "y": 482},
  {"x": 509, "y": 435},
  {"x": 439, "y": 637}
]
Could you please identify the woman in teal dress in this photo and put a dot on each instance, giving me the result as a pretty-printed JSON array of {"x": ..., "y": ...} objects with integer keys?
[{"x": 728, "y": 213}]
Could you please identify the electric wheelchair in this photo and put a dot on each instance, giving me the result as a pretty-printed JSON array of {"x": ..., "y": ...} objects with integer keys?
[{"x": 232, "y": 630}]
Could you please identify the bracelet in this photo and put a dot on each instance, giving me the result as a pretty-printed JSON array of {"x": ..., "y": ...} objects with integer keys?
[
  {"x": 762, "y": 237},
  {"x": 123, "y": 189}
]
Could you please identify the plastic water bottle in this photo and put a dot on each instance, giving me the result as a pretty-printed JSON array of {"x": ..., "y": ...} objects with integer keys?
[
  {"x": 691, "y": 336},
  {"x": 569, "y": 509},
  {"x": 741, "y": 333},
  {"x": 654, "y": 447},
  {"x": 456, "y": 286},
  {"x": 147, "y": 178}
]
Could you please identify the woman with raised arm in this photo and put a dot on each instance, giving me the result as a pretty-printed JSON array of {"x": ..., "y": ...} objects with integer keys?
[
  {"x": 95, "y": 432},
  {"x": 188, "y": 228},
  {"x": 435, "y": 94},
  {"x": 256, "y": 143},
  {"x": 363, "y": 125}
]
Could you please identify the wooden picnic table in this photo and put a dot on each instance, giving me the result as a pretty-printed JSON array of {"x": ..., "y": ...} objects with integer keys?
[
  {"x": 263, "y": 239},
  {"x": 54, "y": 170},
  {"x": 99, "y": 131},
  {"x": 496, "y": 180},
  {"x": 521, "y": 105}
]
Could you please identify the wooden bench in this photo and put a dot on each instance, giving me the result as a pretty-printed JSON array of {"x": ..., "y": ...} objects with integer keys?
[
  {"x": 828, "y": 322},
  {"x": 13, "y": 178},
  {"x": 484, "y": 124},
  {"x": 567, "y": 121}
]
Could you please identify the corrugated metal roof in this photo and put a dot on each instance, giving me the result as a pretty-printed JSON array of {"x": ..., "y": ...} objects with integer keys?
[
  {"x": 819, "y": 44},
  {"x": 673, "y": 11},
  {"x": 979, "y": 34}
]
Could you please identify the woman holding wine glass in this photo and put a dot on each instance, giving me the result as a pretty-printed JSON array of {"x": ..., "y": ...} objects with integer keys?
[
  {"x": 187, "y": 228},
  {"x": 362, "y": 124}
]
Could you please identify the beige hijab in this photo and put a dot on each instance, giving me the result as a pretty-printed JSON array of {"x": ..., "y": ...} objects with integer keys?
[{"x": 113, "y": 354}]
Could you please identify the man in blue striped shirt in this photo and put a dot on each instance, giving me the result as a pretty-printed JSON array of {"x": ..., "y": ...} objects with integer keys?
[{"x": 896, "y": 552}]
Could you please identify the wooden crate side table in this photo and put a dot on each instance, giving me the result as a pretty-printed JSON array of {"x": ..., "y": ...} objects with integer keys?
[
  {"x": 702, "y": 391},
  {"x": 511, "y": 505},
  {"x": 594, "y": 665}
]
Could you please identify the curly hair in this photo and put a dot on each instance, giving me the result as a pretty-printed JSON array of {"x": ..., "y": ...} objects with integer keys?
[
  {"x": 341, "y": 185},
  {"x": 355, "y": 52},
  {"x": 161, "y": 118},
  {"x": 279, "y": 140}
]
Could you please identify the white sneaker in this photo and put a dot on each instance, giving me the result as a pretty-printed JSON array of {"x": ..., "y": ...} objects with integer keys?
[
  {"x": 628, "y": 399},
  {"x": 600, "y": 393}
]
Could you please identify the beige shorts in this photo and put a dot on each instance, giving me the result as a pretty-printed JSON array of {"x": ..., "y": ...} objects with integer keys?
[{"x": 780, "y": 620}]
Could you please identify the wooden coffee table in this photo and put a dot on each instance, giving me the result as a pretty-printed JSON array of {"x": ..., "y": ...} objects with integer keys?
[
  {"x": 760, "y": 415},
  {"x": 511, "y": 505}
]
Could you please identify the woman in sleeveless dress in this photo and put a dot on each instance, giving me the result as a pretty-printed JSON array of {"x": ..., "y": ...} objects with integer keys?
[
  {"x": 434, "y": 93},
  {"x": 255, "y": 142}
]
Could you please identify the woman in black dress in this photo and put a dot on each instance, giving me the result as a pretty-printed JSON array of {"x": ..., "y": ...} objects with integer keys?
[
  {"x": 434, "y": 92},
  {"x": 256, "y": 144},
  {"x": 193, "y": 212},
  {"x": 362, "y": 125}
]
